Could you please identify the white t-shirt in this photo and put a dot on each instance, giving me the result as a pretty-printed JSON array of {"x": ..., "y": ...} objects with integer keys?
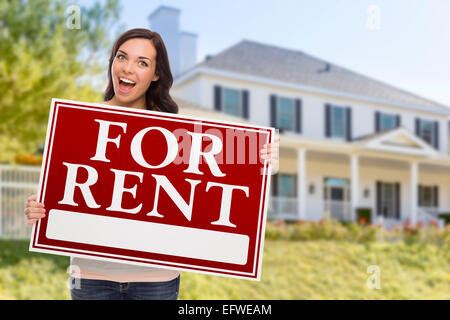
[{"x": 118, "y": 271}]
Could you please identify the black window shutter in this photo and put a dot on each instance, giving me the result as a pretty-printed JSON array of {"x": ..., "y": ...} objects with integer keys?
[
  {"x": 348, "y": 118},
  {"x": 377, "y": 121},
  {"x": 418, "y": 127},
  {"x": 398, "y": 121},
  {"x": 420, "y": 195},
  {"x": 274, "y": 183},
  {"x": 398, "y": 200},
  {"x": 436, "y": 196},
  {"x": 378, "y": 208},
  {"x": 327, "y": 120},
  {"x": 298, "y": 115},
  {"x": 273, "y": 110},
  {"x": 245, "y": 103},
  {"x": 217, "y": 98},
  {"x": 436, "y": 135}
]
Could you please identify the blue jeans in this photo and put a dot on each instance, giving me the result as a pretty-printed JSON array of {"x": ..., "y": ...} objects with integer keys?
[{"x": 89, "y": 289}]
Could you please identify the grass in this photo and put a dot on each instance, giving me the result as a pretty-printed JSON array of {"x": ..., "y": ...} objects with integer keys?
[{"x": 319, "y": 269}]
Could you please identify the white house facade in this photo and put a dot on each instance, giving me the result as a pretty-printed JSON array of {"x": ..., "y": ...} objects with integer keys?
[{"x": 346, "y": 141}]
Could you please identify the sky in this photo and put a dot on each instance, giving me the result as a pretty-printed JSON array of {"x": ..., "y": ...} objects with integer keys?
[{"x": 405, "y": 43}]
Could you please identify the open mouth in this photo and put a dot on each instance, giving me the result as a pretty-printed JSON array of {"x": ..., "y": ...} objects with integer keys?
[{"x": 126, "y": 85}]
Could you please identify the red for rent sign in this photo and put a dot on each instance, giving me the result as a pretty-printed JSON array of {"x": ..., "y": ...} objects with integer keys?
[{"x": 152, "y": 188}]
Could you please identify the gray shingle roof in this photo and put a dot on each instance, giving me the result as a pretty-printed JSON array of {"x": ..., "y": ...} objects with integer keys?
[{"x": 267, "y": 61}]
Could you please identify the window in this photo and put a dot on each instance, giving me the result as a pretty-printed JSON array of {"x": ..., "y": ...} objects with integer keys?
[
  {"x": 232, "y": 102},
  {"x": 427, "y": 131},
  {"x": 337, "y": 122},
  {"x": 428, "y": 196},
  {"x": 286, "y": 114},
  {"x": 287, "y": 185},
  {"x": 387, "y": 121}
]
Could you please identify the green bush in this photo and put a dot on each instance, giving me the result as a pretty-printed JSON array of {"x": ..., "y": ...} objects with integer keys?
[
  {"x": 446, "y": 217},
  {"x": 328, "y": 229},
  {"x": 364, "y": 214}
]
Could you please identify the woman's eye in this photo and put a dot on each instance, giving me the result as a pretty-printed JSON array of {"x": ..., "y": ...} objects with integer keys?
[
  {"x": 120, "y": 57},
  {"x": 143, "y": 63}
]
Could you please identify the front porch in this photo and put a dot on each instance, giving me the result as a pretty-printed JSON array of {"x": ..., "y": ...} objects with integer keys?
[{"x": 318, "y": 179}]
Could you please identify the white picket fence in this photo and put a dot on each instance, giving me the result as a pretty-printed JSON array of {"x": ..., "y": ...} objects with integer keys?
[{"x": 17, "y": 183}]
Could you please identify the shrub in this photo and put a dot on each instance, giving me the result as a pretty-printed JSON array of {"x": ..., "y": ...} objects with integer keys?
[
  {"x": 364, "y": 215},
  {"x": 328, "y": 229},
  {"x": 446, "y": 217},
  {"x": 28, "y": 159}
]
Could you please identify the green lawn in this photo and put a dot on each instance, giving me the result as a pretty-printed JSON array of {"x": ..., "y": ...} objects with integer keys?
[{"x": 291, "y": 270}]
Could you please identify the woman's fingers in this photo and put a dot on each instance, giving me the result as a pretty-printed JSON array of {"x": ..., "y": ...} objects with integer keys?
[
  {"x": 270, "y": 151},
  {"x": 35, "y": 214},
  {"x": 34, "y": 210},
  {"x": 34, "y": 204}
]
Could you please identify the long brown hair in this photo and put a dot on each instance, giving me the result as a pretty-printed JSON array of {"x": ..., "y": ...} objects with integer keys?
[{"x": 157, "y": 96}]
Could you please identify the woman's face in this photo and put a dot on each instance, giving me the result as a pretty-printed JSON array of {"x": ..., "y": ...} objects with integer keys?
[{"x": 132, "y": 71}]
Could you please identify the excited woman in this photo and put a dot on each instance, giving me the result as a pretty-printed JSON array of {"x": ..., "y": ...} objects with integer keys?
[{"x": 139, "y": 76}]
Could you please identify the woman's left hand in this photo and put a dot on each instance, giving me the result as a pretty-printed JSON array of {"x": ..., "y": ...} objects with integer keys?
[{"x": 270, "y": 152}]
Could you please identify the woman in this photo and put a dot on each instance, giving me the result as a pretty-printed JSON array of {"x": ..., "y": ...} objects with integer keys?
[{"x": 139, "y": 76}]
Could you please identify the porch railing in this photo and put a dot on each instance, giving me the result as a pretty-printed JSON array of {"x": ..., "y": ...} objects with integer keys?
[
  {"x": 430, "y": 214},
  {"x": 338, "y": 210},
  {"x": 284, "y": 208}
]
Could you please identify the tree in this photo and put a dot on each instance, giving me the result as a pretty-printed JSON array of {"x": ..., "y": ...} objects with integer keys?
[{"x": 43, "y": 58}]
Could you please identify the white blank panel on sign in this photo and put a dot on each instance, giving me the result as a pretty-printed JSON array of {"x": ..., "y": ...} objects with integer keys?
[{"x": 148, "y": 237}]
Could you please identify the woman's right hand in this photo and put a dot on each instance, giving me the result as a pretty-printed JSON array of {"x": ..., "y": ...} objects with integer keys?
[{"x": 34, "y": 210}]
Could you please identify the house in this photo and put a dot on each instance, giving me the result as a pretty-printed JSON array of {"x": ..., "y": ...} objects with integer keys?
[{"x": 346, "y": 141}]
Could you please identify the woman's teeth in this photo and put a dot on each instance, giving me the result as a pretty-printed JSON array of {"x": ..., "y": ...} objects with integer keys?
[{"x": 127, "y": 81}]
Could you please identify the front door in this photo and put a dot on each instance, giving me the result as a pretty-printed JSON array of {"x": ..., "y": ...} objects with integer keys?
[
  {"x": 388, "y": 200},
  {"x": 336, "y": 198}
]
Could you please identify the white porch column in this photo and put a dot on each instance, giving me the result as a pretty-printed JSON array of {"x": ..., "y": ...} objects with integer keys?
[
  {"x": 414, "y": 183},
  {"x": 301, "y": 183},
  {"x": 354, "y": 183}
]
